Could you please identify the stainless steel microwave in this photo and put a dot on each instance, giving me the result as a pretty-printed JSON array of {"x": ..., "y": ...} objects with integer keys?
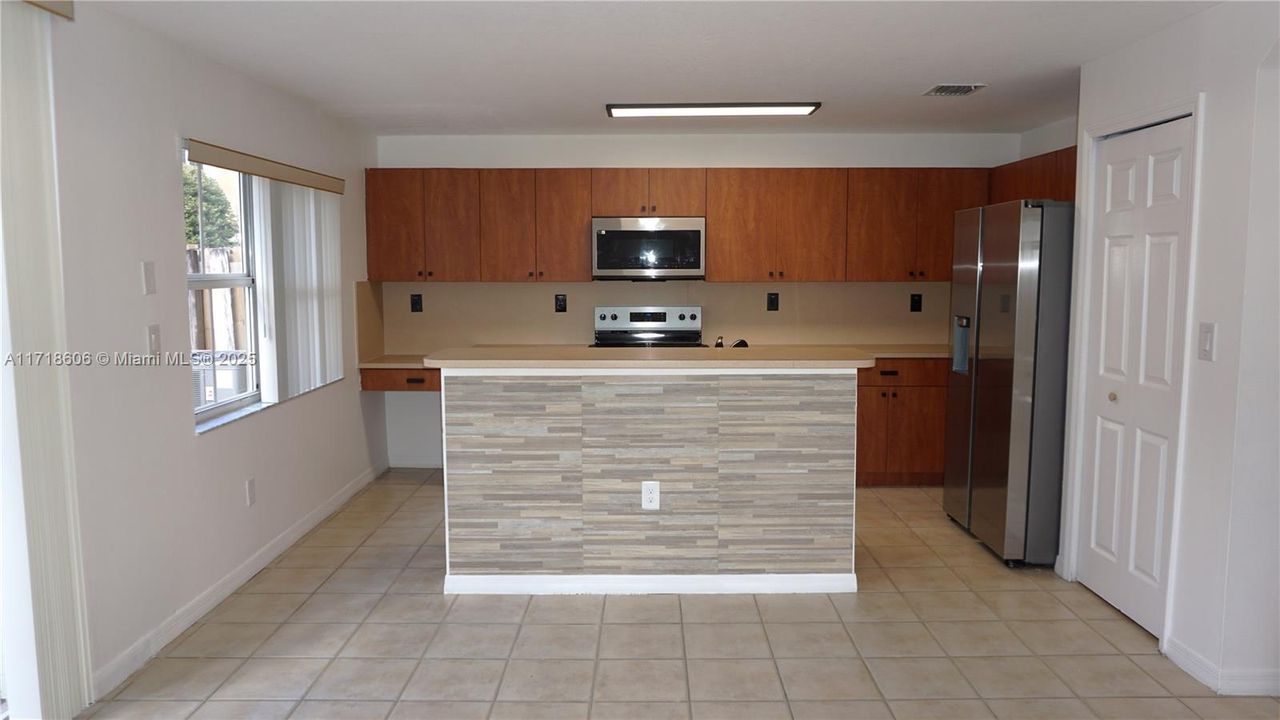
[{"x": 648, "y": 248}]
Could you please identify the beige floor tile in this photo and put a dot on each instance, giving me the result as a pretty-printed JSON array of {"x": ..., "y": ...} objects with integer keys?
[
  {"x": 1173, "y": 678},
  {"x": 796, "y": 608},
  {"x": 271, "y": 679},
  {"x": 642, "y": 609},
  {"x": 887, "y": 536},
  {"x": 385, "y": 536},
  {"x": 809, "y": 640},
  {"x": 924, "y": 579},
  {"x": 734, "y": 680},
  {"x": 244, "y": 710},
  {"x": 1040, "y": 709},
  {"x": 1140, "y": 709},
  {"x": 899, "y": 556},
  {"x": 944, "y": 535},
  {"x": 565, "y": 609},
  {"x": 640, "y": 711},
  {"x": 927, "y": 518},
  {"x": 874, "y": 580},
  {"x": 255, "y": 608},
  {"x": 564, "y": 642},
  {"x": 719, "y": 710},
  {"x": 539, "y": 711},
  {"x": 547, "y": 681},
  {"x": 1011, "y": 677},
  {"x": 725, "y": 640},
  {"x": 429, "y": 556},
  {"x": 313, "y": 557},
  {"x": 440, "y": 710},
  {"x": 977, "y": 638},
  {"x": 962, "y": 605},
  {"x": 306, "y": 640},
  {"x": 827, "y": 679},
  {"x": 966, "y": 555},
  {"x": 411, "y": 609},
  {"x": 418, "y": 581},
  {"x": 342, "y": 710},
  {"x": 885, "y": 519},
  {"x": 884, "y": 639},
  {"x": 402, "y": 640},
  {"x": 360, "y": 580},
  {"x": 644, "y": 680},
  {"x": 1104, "y": 676},
  {"x": 1087, "y": 606},
  {"x": 940, "y": 710},
  {"x": 488, "y": 609},
  {"x": 641, "y": 641},
  {"x": 718, "y": 608},
  {"x": 337, "y": 537},
  {"x": 455, "y": 680},
  {"x": 178, "y": 679},
  {"x": 840, "y": 710},
  {"x": 1128, "y": 637},
  {"x": 348, "y": 519},
  {"x": 1047, "y": 579},
  {"x": 1019, "y": 605},
  {"x": 872, "y": 607},
  {"x": 390, "y": 556},
  {"x": 223, "y": 640},
  {"x": 472, "y": 641},
  {"x": 1060, "y": 637},
  {"x": 1234, "y": 708},
  {"x": 993, "y": 576},
  {"x": 145, "y": 710},
  {"x": 331, "y": 608},
  {"x": 919, "y": 678}
]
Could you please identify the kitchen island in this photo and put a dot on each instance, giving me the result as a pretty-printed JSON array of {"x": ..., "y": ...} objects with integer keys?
[{"x": 546, "y": 447}]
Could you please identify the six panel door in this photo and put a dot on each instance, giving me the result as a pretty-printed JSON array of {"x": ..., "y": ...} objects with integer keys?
[
  {"x": 508, "y": 244},
  {"x": 394, "y": 224},
  {"x": 452, "y": 235}
]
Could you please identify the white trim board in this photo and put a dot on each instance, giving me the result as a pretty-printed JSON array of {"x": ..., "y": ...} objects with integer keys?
[
  {"x": 119, "y": 668},
  {"x": 640, "y": 371},
  {"x": 1261, "y": 681},
  {"x": 761, "y": 584}
]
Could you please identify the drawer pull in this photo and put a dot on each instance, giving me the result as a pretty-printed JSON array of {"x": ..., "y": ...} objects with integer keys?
[
  {"x": 416, "y": 381},
  {"x": 888, "y": 373}
]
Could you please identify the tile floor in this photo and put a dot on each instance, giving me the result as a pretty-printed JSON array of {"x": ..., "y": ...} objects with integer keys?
[{"x": 350, "y": 623}]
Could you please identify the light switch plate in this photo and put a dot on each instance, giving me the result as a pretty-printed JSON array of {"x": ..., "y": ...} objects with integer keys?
[
  {"x": 1207, "y": 341},
  {"x": 153, "y": 339},
  {"x": 649, "y": 495},
  {"x": 148, "y": 277}
]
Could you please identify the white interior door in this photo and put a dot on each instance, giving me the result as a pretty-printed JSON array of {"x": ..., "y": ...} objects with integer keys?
[{"x": 1140, "y": 253}]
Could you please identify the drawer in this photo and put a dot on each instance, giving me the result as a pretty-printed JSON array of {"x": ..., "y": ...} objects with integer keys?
[
  {"x": 899, "y": 372},
  {"x": 377, "y": 379}
]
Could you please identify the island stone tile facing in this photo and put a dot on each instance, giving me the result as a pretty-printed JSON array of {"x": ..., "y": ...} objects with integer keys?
[{"x": 756, "y": 472}]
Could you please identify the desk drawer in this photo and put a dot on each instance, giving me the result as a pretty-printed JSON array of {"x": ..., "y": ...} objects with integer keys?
[
  {"x": 378, "y": 379},
  {"x": 900, "y": 372}
]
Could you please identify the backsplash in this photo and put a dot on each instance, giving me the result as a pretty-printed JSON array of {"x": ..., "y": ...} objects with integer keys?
[{"x": 463, "y": 314}]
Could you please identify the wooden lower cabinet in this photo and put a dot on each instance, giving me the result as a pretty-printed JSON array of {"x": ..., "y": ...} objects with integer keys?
[
  {"x": 395, "y": 379},
  {"x": 902, "y": 407}
]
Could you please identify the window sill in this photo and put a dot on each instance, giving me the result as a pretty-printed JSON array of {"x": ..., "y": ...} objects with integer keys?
[{"x": 204, "y": 425}]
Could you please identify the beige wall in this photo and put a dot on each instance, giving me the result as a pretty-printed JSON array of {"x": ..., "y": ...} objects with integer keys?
[{"x": 462, "y": 314}]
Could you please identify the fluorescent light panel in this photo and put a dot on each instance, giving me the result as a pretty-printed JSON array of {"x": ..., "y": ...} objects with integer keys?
[{"x": 712, "y": 109}]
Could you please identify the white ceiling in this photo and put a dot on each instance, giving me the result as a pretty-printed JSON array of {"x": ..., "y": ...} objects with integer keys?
[{"x": 550, "y": 67}]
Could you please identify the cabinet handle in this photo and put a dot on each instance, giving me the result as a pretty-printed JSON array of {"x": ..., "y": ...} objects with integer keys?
[
  {"x": 653, "y": 208},
  {"x": 781, "y": 274},
  {"x": 884, "y": 394},
  {"x": 895, "y": 394},
  {"x": 888, "y": 373},
  {"x": 429, "y": 273},
  {"x": 416, "y": 381},
  {"x": 419, "y": 273},
  {"x": 540, "y": 273},
  {"x": 641, "y": 209},
  {"x": 530, "y": 273},
  {"x": 912, "y": 273},
  {"x": 921, "y": 273}
]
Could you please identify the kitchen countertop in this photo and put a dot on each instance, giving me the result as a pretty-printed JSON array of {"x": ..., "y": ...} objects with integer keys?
[
  {"x": 393, "y": 362},
  {"x": 908, "y": 350},
  {"x": 582, "y": 356}
]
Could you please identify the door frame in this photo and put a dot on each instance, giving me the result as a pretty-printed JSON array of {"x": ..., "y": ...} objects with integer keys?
[{"x": 1089, "y": 139}]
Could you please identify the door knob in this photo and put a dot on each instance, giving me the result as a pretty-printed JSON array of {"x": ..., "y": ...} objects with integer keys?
[{"x": 1112, "y": 397}]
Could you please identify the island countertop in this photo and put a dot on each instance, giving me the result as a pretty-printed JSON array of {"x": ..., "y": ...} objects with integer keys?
[{"x": 582, "y": 356}]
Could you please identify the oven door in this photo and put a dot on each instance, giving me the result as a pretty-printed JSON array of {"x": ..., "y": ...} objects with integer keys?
[{"x": 639, "y": 248}]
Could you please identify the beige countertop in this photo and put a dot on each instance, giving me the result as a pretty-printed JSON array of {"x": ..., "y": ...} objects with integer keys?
[
  {"x": 393, "y": 362},
  {"x": 582, "y": 356},
  {"x": 908, "y": 350}
]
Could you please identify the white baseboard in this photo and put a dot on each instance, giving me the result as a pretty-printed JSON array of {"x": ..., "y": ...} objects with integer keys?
[
  {"x": 1250, "y": 682},
  {"x": 645, "y": 584},
  {"x": 119, "y": 668},
  {"x": 1193, "y": 663}
]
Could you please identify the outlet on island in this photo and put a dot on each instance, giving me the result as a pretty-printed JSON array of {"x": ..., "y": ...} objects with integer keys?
[{"x": 649, "y": 495}]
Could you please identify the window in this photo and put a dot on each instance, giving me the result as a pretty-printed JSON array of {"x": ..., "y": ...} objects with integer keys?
[{"x": 220, "y": 287}]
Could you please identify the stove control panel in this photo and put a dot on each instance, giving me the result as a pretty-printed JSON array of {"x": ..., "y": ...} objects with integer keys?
[{"x": 649, "y": 317}]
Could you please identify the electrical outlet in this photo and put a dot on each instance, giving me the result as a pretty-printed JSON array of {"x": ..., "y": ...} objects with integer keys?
[
  {"x": 649, "y": 495},
  {"x": 771, "y": 302},
  {"x": 562, "y": 303},
  {"x": 250, "y": 492},
  {"x": 1207, "y": 346},
  {"x": 153, "y": 339},
  {"x": 917, "y": 302},
  {"x": 148, "y": 277},
  {"x": 415, "y": 302}
]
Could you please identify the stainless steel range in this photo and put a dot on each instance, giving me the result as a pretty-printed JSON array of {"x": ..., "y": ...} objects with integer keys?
[{"x": 649, "y": 326}]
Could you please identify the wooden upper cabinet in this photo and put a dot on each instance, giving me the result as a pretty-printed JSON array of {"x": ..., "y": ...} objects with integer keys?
[
  {"x": 564, "y": 224},
  {"x": 508, "y": 244},
  {"x": 1063, "y": 183},
  {"x": 452, "y": 207},
  {"x": 942, "y": 192},
  {"x": 1051, "y": 176},
  {"x": 811, "y": 224},
  {"x": 678, "y": 192},
  {"x": 883, "y": 210},
  {"x": 619, "y": 192},
  {"x": 394, "y": 224},
  {"x": 743, "y": 205}
]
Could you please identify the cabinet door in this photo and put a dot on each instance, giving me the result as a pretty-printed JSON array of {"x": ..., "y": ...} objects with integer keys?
[
  {"x": 508, "y": 245},
  {"x": 619, "y": 192},
  {"x": 393, "y": 223},
  {"x": 873, "y": 426},
  {"x": 564, "y": 224},
  {"x": 678, "y": 192},
  {"x": 882, "y": 224},
  {"x": 811, "y": 230},
  {"x": 943, "y": 191},
  {"x": 917, "y": 429},
  {"x": 452, "y": 207},
  {"x": 743, "y": 208},
  {"x": 1063, "y": 183}
]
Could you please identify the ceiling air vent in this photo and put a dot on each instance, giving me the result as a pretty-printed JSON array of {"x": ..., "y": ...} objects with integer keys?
[{"x": 955, "y": 90}]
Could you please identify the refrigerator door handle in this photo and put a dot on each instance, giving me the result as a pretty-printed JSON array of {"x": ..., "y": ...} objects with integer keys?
[{"x": 960, "y": 345}]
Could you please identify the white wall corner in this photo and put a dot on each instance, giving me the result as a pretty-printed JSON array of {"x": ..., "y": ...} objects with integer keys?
[{"x": 1047, "y": 138}]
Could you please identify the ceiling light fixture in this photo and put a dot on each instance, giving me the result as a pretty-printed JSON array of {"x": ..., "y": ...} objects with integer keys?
[{"x": 712, "y": 109}]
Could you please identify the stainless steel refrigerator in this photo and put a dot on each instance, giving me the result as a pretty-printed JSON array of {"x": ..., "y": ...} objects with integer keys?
[{"x": 1006, "y": 393}]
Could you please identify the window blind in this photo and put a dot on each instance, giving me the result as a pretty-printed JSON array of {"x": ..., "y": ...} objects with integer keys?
[{"x": 199, "y": 151}]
